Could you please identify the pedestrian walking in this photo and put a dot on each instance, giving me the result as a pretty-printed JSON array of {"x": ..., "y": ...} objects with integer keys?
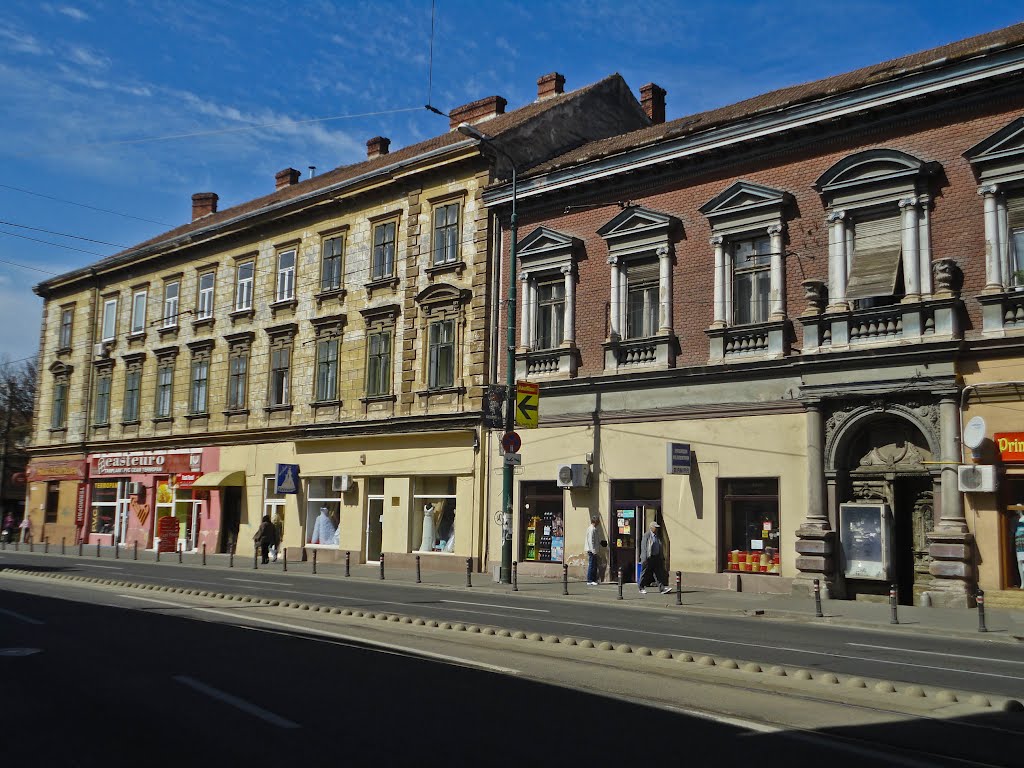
[
  {"x": 265, "y": 538},
  {"x": 9, "y": 527},
  {"x": 652, "y": 560},
  {"x": 26, "y": 529},
  {"x": 592, "y": 550}
]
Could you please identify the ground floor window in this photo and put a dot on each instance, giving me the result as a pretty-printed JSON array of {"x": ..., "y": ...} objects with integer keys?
[
  {"x": 541, "y": 523},
  {"x": 433, "y": 514},
  {"x": 52, "y": 501},
  {"x": 273, "y": 506},
  {"x": 635, "y": 505},
  {"x": 104, "y": 506},
  {"x": 323, "y": 512},
  {"x": 1012, "y": 533},
  {"x": 750, "y": 525}
]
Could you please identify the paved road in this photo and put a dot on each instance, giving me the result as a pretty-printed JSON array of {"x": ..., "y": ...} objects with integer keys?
[
  {"x": 103, "y": 685},
  {"x": 961, "y": 664}
]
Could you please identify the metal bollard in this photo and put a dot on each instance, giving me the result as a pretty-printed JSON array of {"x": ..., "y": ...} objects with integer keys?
[
  {"x": 620, "y": 582},
  {"x": 565, "y": 578},
  {"x": 46, "y": 546},
  {"x": 231, "y": 557},
  {"x": 284, "y": 553},
  {"x": 817, "y": 600},
  {"x": 469, "y": 571},
  {"x": 256, "y": 558},
  {"x": 893, "y": 597},
  {"x": 181, "y": 553},
  {"x": 679, "y": 587},
  {"x": 81, "y": 545},
  {"x": 348, "y": 559},
  {"x": 382, "y": 566},
  {"x": 314, "y": 563},
  {"x": 515, "y": 576},
  {"x": 117, "y": 551},
  {"x": 158, "y": 553},
  {"x": 97, "y": 549},
  {"x": 135, "y": 550},
  {"x": 62, "y": 550},
  {"x": 980, "y": 597},
  {"x": 418, "y": 579},
  {"x": 31, "y": 545},
  {"x": 204, "y": 553}
]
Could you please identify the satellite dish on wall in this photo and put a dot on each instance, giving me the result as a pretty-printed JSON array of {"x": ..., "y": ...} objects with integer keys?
[{"x": 974, "y": 432}]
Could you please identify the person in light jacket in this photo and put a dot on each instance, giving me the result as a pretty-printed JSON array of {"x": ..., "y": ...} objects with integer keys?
[
  {"x": 652, "y": 559},
  {"x": 592, "y": 544},
  {"x": 266, "y": 537}
]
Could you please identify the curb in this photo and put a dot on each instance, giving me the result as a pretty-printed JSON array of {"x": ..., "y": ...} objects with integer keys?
[{"x": 738, "y": 670}]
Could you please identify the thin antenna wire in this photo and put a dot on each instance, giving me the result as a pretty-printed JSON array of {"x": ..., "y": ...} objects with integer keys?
[{"x": 430, "y": 64}]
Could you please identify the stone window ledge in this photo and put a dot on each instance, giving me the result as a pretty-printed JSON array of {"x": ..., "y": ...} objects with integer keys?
[
  {"x": 332, "y": 294},
  {"x": 281, "y": 408},
  {"x": 452, "y": 266}
]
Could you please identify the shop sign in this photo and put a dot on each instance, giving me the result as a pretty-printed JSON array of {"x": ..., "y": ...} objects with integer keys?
[
  {"x": 186, "y": 479},
  {"x": 69, "y": 469},
  {"x": 80, "y": 506},
  {"x": 677, "y": 458},
  {"x": 1010, "y": 445},
  {"x": 168, "y": 529},
  {"x": 145, "y": 462}
]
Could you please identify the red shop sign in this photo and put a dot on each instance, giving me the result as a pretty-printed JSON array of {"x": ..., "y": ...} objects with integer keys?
[
  {"x": 185, "y": 479},
  {"x": 149, "y": 462},
  {"x": 1010, "y": 445},
  {"x": 70, "y": 469},
  {"x": 80, "y": 506}
]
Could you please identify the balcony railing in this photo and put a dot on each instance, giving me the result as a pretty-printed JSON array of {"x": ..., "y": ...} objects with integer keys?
[
  {"x": 560, "y": 361},
  {"x": 893, "y": 324},
  {"x": 1002, "y": 312},
  {"x": 647, "y": 352},
  {"x": 769, "y": 339}
]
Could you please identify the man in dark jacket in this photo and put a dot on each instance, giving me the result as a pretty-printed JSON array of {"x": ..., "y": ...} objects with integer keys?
[
  {"x": 652, "y": 560},
  {"x": 266, "y": 537}
]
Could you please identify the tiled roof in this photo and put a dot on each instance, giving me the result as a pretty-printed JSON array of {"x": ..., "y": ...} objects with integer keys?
[
  {"x": 493, "y": 127},
  {"x": 787, "y": 97}
]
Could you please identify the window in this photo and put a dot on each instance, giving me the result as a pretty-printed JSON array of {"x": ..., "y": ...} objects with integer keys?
[
  {"x": 109, "y": 330},
  {"x": 132, "y": 381},
  {"x": 541, "y": 523},
  {"x": 104, "y": 506},
  {"x": 204, "y": 311},
  {"x": 383, "y": 251},
  {"x": 164, "y": 388},
  {"x": 59, "y": 412},
  {"x": 52, "y": 501},
  {"x": 171, "y": 304},
  {"x": 875, "y": 272},
  {"x": 327, "y": 370},
  {"x": 101, "y": 404},
  {"x": 441, "y": 362},
  {"x": 433, "y": 514},
  {"x": 238, "y": 376},
  {"x": 273, "y": 505},
  {"x": 243, "y": 285},
  {"x": 1015, "y": 222},
  {"x": 751, "y": 280},
  {"x": 330, "y": 274},
  {"x": 550, "y": 314},
  {"x": 642, "y": 300},
  {"x": 139, "y": 312},
  {"x": 750, "y": 523},
  {"x": 197, "y": 403},
  {"x": 446, "y": 234},
  {"x": 285, "y": 276},
  {"x": 67, "y": 316},
  {"x": 378, "y": 364},
  {"x": 280, "y": 367},
  {"x": 323, "y": 512}
]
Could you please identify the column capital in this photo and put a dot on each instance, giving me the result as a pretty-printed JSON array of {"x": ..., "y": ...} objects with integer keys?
[
  {"x": 774, "y": 229},
  {"x": 908, "y": 202},
  {"x": 524, "y": 277},
  {"x": 566, "y": 269},
  {"x": 663, "y": 252},
  {"x": 834, "y": 216},
  {"x": 988, "y": 189},
  {"x": 717, "y": 240},
  {"x": 613, "y": 260}
]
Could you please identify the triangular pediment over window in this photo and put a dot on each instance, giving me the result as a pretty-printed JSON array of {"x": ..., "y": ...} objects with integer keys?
[
  {"x": 744, "y": 195},
  {"x": 1000, "y": 157},
  {"x": 546, "y": 248},
  {"x": 636, "y": 221}
]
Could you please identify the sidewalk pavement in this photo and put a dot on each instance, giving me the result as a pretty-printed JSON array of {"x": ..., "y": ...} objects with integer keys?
[{"x": 1002, "y": 624}]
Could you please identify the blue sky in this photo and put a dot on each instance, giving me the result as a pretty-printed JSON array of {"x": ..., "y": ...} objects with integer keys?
[{"x": 92, "y": 89}]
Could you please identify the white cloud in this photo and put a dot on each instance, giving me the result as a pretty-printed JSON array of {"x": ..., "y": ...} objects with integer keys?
[
  {"x": 22, "y": 42},
  {"x": 87, "y": 58},
  {"x": 73, "y": 13}
]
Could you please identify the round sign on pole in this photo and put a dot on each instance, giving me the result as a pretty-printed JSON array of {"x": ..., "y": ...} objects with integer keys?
[
  {"x": 511, "y": 442},
  {"x": 974, "y": 432}
]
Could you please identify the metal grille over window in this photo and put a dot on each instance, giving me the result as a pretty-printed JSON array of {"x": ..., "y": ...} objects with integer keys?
[{"x": 876, "y": 258}]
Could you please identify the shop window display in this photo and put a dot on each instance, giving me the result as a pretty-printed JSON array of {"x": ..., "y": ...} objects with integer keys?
[
  {"x": 750, "y": 523},
  {"x": 541, "y": 524},
  {"x": 273, "y": 505},
  {"x": 434, "y": 514},
  {"x": 104, "y": 506},
  {"x": 323, "y": 512}
]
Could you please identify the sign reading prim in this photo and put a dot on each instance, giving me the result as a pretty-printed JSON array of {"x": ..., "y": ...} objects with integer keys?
[{"x": 144, "y": 462}]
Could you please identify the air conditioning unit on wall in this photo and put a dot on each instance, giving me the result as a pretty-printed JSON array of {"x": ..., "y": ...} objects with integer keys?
[
  {"x": 573, "y": 475},
  {"x": 341, "y": 483},
  {"x": 976, "y": 478},
  {"x": 101, "y": 350}
]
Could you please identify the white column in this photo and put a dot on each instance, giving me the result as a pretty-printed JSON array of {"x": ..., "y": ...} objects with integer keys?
[
  {"x": 994, "y": 278},
  {"x": 911, "y": 255},
  {"x": 614, "y": 329},
  {"x": 777, "y": 290},
  {"x": 524, "y": 312},
  {"x": 719, "y": 319},
  {"x": 924, "y": 245},
  {"x": 837, "y": 267},
  {"x": 1003, "y": 228},
  {"x": 534, "y": 305},
  {"x": 664, "y": 291},
  {"x": 568, "y": 324}
]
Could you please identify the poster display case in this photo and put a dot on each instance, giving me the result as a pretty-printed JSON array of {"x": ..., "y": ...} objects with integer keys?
[{"x": 865, "y": 541}]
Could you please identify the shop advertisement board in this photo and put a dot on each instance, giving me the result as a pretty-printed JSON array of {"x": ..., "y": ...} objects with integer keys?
[
  {"x": 865, "y": 541},
  {"x": 80, "y": 506},
  {"x": 677, "y": 458},
  {"x": 167, "y": 530},
  {"x": 144, "y": 462},
  {"x": 56, "y": 469},
  {"x": 1010, "y": 446}
]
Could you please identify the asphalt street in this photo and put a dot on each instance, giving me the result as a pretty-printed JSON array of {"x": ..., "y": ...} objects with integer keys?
[{"x": 957, "y": 663}]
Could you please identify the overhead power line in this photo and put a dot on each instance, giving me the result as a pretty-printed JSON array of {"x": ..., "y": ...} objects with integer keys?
[
  {"x": 84, "y": 205},
  {"x": 60, "y": 234}
]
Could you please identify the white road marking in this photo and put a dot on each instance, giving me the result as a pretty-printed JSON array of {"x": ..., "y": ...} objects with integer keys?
[
  {"x": 235, "y": 701},
  {"x": 21, "y": 617},
  {"x": 262, "y": 581},
  {"x": 107, "y": 567},
  {"x": 491, "y": 605},
  {"x": 917, "y": 652},
  {"x": 750, "y": 725}
]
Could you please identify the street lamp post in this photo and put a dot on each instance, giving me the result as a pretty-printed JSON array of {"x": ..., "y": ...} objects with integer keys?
[{"x": 505, "y": 572}]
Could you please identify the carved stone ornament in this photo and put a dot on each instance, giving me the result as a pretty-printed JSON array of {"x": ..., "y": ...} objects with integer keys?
[
  {"x": 816, "y": 296},
  {"x": 945, "y": 273},
  {"x": 922, "y": 416}
]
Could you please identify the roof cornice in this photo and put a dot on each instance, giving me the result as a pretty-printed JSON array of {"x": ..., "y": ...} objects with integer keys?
[{"x": 964, "y": 73}]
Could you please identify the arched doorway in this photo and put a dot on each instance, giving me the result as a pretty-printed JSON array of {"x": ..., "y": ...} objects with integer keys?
[{"x": 886, "y": 456}]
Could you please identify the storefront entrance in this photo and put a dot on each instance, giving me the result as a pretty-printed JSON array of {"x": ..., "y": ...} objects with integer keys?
[
  {"x": 374, "y": 519},
  {"x": 1011, "y": 533},
  {"x": 541, "y": 526},
  {"x": 635, "y": 505}
]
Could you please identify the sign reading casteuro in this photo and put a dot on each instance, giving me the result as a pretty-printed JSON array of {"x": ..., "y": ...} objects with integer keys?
[
  {"x": 677, "y": 458},
  {"x": 144, "y": 462}
]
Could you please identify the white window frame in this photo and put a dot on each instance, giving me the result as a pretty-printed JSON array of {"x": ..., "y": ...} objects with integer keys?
[
  {"x": 204, "y": 305},
  {"x": 418, "y": 499},
  {"x": 139, "y": 312},
  {"x": 108, "y": 332},
  {"x": 172, "y": 295},
  {"x": 314, "y": 500},
  {"x": 243, "y": 285},
  {"x": 285, "y": 290},
  {"x": 274, "y": 505}
]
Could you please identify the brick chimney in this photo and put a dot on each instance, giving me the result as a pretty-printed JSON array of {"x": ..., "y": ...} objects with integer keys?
[
  {"x": 203, "y": 204},
  {"x": 377, "y": 146},
  {"x": 652, "y": 99},
  {"x": 286, "y": 178},
  {"x": 477, "y": 111},
  {"x": 550, "y": 85}
]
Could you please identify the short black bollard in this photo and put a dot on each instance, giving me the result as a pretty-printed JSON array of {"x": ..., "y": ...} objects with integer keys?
[
  {"x": 382, "y": 566},
  {"x": 256, "y": 558},
  {"x": 16, "y": 545},
  {"x": 158, "y": 553},
  {"x": 418, "y": 579},
  {"x": 348, "y": 561},
  {"x": 204, "y": 553},
  {"x": 817, "y": 599},
  {"x": 117, "y": 551},
  {"x": 62, "y": 550},
  {"x": 135, "y": 551},
  {"x": 46, "y": 546},
  {"x": 620, "y": 583},
  {"x": 181, "y": 553},
  {"x": 980, "y": 597},
  {"x": 469, "y": 571},
  {"x": 515, "y": 576},
  {"x": 81, "y": 545},
  {"x": 893, "y": 597},
  {"x": 31, "y": 546},
  {"x": 314, "y": 563},
  {"x": 284, "y": 553},
  {"x": 565, "y": 578},
  {"x": 679, "y": 587},
  {"x": 231, "y": 557},
  {"x": 97, "y": 549}
]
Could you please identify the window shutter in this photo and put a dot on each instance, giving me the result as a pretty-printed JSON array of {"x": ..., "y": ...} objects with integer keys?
[
  {"x": 1015, "y": 211},
  {"x": 642, "y": 272},
  {"x": 876, "y": 258}
]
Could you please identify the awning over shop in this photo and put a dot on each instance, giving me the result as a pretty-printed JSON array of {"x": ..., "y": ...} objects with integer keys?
[{"x": 234, "y": 478}]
